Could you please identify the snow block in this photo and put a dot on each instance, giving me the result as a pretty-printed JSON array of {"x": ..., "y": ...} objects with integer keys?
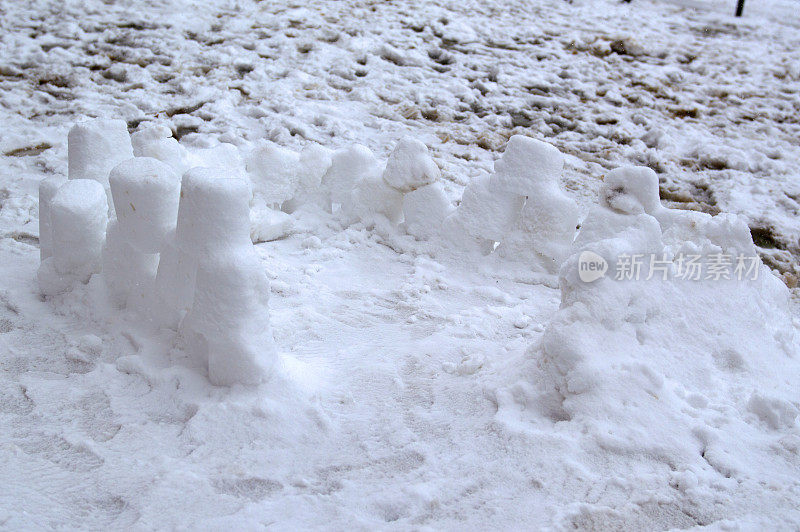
[
  {"x": 213, "y": 215},
  {"x": 214, "y": 212},
  {"x": 372, "y": 196},
  {"x": 47, "y": 190},
  {"x": 527, "y": 164},
  {"x": 274, "y": 172},
  {"x": 146, "y": 193},
  {"x": 128, "y": 273},
  {"x": 157, "y": 142},
  {"x": 348, "y": 167},
  {"x": 228, "y": 325},
  {"x": 424, "y": 211},
  {"x": 95, "y": 147},
  {"x": 486, "y": 211},
  {"x": 174, "y": 284},
  {"x": 631, "y": 190},
  {"x": 410, "y": 166},
  {"x": 78, "y": 214},
  {"x": 314, "y": 162},
  {"x": 223, "y": 156}
]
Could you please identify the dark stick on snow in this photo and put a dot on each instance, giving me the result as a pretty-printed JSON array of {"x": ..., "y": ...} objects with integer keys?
[{"x": 739, "y": 7}]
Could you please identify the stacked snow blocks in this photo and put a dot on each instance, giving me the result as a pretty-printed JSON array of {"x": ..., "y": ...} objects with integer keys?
[
  {"x": 145, "y": 193},
  {"x": 520, "y": 207},
  {"x": 220, "y": 278},
  {"x": 176, "y": 250}
]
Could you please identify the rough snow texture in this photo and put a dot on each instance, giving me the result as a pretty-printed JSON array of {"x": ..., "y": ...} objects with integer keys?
[
  {"x": 401, "y": 349},
  {"x": 674, "y": 374}
]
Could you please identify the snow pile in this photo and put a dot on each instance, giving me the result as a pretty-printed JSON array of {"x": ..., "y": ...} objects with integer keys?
[
  {"x": 520, "y": 207},
  {"x": 663, "y": 362}
]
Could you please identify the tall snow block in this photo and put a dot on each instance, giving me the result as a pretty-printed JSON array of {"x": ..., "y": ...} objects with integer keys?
[
  {"x": 47, "y": 191},
  {"x": 145, "y": 193},
  {"x": 227, "y": 326}
]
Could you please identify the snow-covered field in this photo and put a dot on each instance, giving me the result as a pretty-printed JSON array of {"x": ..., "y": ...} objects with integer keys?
[{"x": 437, "y": 373}]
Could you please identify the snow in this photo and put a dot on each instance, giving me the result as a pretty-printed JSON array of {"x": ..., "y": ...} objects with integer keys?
[
  {"x": 425, "y": 210},
  {"x": 329, "y": 351},
  {"x": 228, "y": 325},
  {"x": 349, "y": 166},
  {"x": 410, "y": 167},
  {"x": 96, "y": 146},
  {"x": 47, "y": 190},
  {"x": 78, "y": 218},
  {"x": 157, "y": 142},
  {"x": 546, "y": 225},
  {"x": 146, "y": 193}
]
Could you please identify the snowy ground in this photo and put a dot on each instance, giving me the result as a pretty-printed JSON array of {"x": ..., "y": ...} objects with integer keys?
[{"x": 401, "y": 357}]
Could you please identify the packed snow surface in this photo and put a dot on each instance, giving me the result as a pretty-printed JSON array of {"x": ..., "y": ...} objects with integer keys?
[{"x": 324, "y": 266}]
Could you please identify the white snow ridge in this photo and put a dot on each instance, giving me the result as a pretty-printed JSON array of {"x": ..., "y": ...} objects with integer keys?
[{"x": 399, "y": 266}]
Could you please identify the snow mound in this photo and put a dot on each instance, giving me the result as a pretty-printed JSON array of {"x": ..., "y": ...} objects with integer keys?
[{"x": 657, "y": 365}]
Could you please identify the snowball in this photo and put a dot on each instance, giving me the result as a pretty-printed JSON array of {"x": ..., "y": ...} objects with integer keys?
[
  {"x": 409, "y": 166},
  {"x": 274, "y": 172},
  {"x": 527, "y": 164},
  {"x": 425, "y": 209},
  {"x": 146, "y": 193},
  {"x": 486, "y": 211},
  {"x": 95, "y": 147},
  {"x": 157, "y": 142},
  {"x": 47, "y": 190},
  {"x": 268, "y": 224},
  {"x": 348, "y": 167},
  {"x": 128, "y": 273},
  {"x": 214, "y": 211},
  {"x": 78, "y": 214},
  {"x": 228, "y": 324},
  {"x": 631, "y": 190}
]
